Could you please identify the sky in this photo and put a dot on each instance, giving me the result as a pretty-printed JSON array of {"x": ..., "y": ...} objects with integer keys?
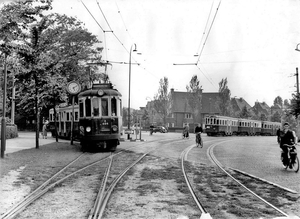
[{"x": 251, "y": 43}]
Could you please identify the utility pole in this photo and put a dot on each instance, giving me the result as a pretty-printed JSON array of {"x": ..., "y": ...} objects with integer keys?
[
  {"x": 297, "y": 80},
  {"x": 3, "y": 122}
]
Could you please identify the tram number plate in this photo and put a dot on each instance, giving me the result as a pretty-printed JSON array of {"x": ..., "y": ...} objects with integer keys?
[{"x": 128, "y": 131}]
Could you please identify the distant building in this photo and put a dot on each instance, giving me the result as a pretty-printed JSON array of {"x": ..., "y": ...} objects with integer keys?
[
  {"x": 238, "y": 105},
  {"x": 181, "y": 112},
  {"x": 261, "y": 108}
]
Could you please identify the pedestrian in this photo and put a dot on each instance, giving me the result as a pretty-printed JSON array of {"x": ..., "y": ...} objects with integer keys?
[
  {"x": 185, "y": 132},
  {"x": 44, "y": 129},
  {"x": 278, "y": 135}
]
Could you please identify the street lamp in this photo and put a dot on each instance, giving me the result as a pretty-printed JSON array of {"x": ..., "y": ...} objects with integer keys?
[
  {"x": 297, "y": 47},
  {"x": 128, "y": 135}
]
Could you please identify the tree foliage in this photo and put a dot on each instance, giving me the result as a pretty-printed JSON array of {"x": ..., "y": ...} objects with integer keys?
[
  {"x": 295, "y": 105},
  {"x": 162, "y": 99},
  {"x": 278, "y": 101},
  {"x": 224, "y": 103},
  {"x": 194, "y": 98},
  {"x": 245, "y": 113},
  {"x": 52, "y": 49}
]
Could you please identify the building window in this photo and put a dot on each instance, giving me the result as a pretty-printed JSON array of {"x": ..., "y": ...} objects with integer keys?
[{"x": 188, "y": 116}]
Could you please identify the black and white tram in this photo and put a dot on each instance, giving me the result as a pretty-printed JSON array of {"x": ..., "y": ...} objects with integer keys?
[{"x": 100, "y": 117}]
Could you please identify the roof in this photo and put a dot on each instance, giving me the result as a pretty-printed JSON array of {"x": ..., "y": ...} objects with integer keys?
[
  {"x": 180, "y": 103},
  {"x": 239, "y": 103},
  {"x": 262, "y": 107}
]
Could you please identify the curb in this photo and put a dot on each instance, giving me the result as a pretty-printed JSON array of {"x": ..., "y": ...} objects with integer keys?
[
  {"x": 266, "y": 181},
  {"x": 132, "y": 140}
]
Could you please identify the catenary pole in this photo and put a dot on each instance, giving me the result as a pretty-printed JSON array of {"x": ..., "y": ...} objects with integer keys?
[
  {"x": 297, "y": 80},
  {"x": 3, "y": 122}
]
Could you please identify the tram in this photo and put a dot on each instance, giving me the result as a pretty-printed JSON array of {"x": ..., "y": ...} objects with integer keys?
[
  {"x": 100, "y": 117},
  {"x": 222, "y": 125},
  {"x": 97, "y": 118}
]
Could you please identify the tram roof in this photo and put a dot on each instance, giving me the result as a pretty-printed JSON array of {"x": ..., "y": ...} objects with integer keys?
[{"x": 94, "y": 92}]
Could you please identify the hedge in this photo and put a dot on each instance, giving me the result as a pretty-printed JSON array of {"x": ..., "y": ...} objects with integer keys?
[{"x": 11, "y": 131}]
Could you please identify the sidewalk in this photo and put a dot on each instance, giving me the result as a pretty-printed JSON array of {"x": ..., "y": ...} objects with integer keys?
[{"x": 26, "y": 140}]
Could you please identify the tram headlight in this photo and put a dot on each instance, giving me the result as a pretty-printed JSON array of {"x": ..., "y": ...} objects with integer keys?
[
  {"x": 114, "y": 128},
  {"x": 88, "y": 129}
]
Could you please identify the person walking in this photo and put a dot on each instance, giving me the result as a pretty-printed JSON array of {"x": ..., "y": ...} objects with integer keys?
[
  {"x": 198, "y": 131},
  {"x": 185, "y": 133},
  {"x": 44, "y": 129}
]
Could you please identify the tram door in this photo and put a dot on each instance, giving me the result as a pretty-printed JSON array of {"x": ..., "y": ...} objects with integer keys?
[{"x": 229, "y": 127}]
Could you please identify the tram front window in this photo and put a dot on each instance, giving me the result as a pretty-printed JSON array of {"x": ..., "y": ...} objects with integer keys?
[
  {"x": 80, "y": 108},
  {"x": 95, "y": 107},
  {"x": 87, "y": 107},
  {"x": 104, "y": 107},
  {"x": 113, "y": 106}
]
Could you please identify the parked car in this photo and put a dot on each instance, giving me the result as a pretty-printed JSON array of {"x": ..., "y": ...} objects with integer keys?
[{"x": 160, "y": 129}]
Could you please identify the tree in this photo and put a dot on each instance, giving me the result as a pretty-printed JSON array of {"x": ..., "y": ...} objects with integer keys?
[
  {"x": 278, "y": 101},
  {"x": 245, "y": 113},
  {"x": 162, "y": 100},
  {"x": 17, "y": 21},
  {"x": 194, "y": 98},
  {"x": 295, "y": 105},
  {"x": 263, "y": 117},
  {"x": 223, "y": 102},
  {"x": 276, "y": 117},
  {"x": 286, "y": 103},
  {"x": 56, "y": 49}
]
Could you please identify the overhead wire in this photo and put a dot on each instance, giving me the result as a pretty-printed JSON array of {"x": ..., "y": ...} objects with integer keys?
[
  {"x": 114, "y": 34},
  {"x": 205, "y": 76},
  {"x": 204, "y": 31},
  {"x": 126, "y": 29},
  {"x": 103, "y": 15},
  {"x": 209, "y": 31},
  {"x": 92, "y": 15}
]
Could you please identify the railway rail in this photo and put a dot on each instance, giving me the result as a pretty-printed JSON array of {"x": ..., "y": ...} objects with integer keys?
[
  {"x": 210, "y": 154},
  {"x": 57, "y": 179},
  {"x": 220, "y": 166},
  {"x": 183, "y": 157},
  {"x": 104, "y": 194}
]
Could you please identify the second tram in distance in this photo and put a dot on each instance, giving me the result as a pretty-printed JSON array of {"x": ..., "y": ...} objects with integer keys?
[
  {"x": 223, "y": 125},
  {"x": 97, "y": 121}
]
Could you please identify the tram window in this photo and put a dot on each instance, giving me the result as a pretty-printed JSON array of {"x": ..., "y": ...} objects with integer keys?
[
  {"x": 80, "y": 108},
  {"x": 68, "y": 116},
  {"x": 95, "y": 107},
  {"x": 76, "y": 116},
  {"x": 104, "y": 107},
  {"x": 113, "y": 106},
  {"x": 87, "y": 107}
]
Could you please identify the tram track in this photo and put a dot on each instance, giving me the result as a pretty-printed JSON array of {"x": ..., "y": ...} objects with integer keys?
[
  {"x": 197, "y": 196},
  {"x": 214, "y": 160},
  {"x": 104, "y": 194},
  {"x": 62, "y": 176},
  {"x": 183, "y": 157}
]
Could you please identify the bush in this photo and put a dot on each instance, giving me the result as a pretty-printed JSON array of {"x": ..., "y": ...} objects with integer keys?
[{"x": 11, "y": 131}]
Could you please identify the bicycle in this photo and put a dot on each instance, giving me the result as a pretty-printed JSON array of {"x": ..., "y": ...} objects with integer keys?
[
  {"x": 199, "y": 141},
  {"x": 185, "y": 134},
  {"x": 294, "y": 165}
]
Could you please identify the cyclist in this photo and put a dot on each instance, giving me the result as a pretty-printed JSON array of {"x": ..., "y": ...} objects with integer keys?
[
  {"x": 198, "y": 131},
  {"x": 287, "y": 137}
]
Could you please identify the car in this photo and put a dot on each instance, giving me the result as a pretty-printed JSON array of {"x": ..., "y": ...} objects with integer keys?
[{"x": 160, "y": 129}]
